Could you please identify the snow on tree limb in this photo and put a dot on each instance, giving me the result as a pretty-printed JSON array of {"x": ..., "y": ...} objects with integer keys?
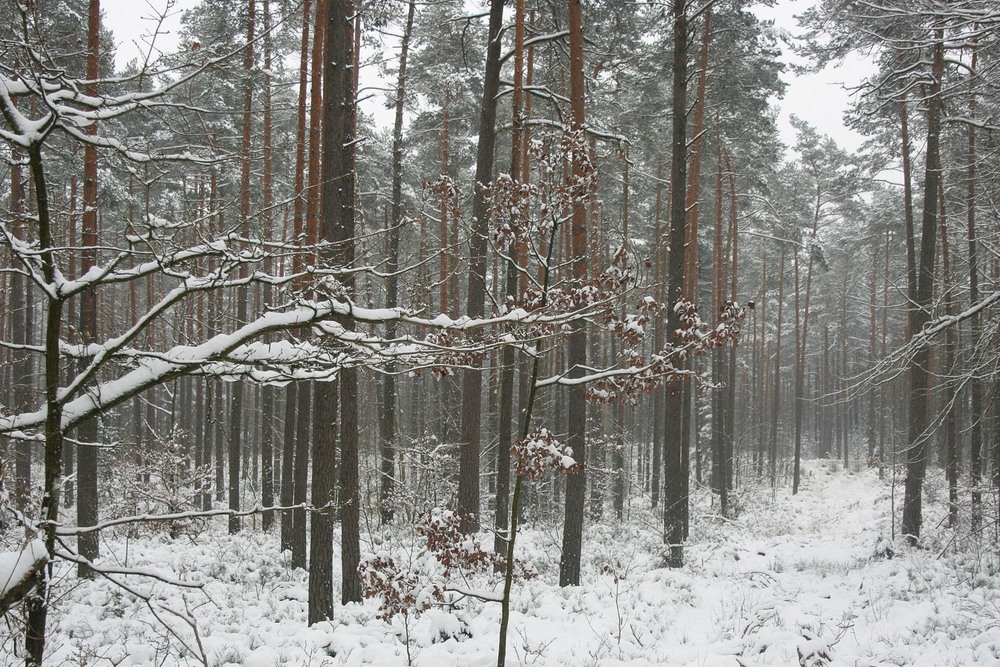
[
  {"x": 236, "y": 348},
  {"x": 17, "y": 572}
]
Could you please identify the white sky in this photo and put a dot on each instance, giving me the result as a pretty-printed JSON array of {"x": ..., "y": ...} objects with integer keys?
[
  {"x": 132, "y": 21},
  {"x": 818, "y": 98}
]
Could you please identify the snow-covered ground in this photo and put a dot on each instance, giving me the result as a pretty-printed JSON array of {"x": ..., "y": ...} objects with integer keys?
[{"x": 802, "y": 580}]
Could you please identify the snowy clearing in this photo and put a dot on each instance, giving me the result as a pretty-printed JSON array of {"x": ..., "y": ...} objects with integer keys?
[{"x": 802, "y": 580}]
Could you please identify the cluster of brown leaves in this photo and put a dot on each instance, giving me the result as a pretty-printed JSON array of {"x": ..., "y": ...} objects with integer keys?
[
  {"x": 731, "y": 317},
  {"x": 457, "y": 551},
  {"x": 615, "y": 570},
  {"x": 407, "y": 593},
  {"x": 509, "y": 210},
  {"x": 619, "y": 275},
  {"x": 533, "y": 299},
  {"x": 696, "y": 330},
  {"x": 613, "y": 280},
  {"x": 576, "y": 297},
  {"x": 558, "y": 187},
  {"x": 399, "y": 592},
  {"x": 627, "y": 387},
  {"x": 692, "y": 328},
  {"x": 693, "y": 337},
  {"x": 631, "y": 329},
  {"x": 453, "y": 549},
  {"x": 540, "y": 451},
  {"x": 446, "y": 190},
  {"x": 650, "y": 306},
  {"x": 559, "y": 300}
]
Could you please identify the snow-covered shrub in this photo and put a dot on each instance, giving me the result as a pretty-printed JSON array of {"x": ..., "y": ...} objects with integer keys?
[
  {"x": 399, "y": 590},
  {"x": 541, "y": 451},
  {"x": 164, "y": 482},
  {"x": 431, "y": 565}
]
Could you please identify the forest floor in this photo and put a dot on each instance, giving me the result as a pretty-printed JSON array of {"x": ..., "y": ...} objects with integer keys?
[{"x": 811, "y": 580}]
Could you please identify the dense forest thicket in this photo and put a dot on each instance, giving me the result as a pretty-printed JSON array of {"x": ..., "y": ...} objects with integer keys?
[{"x": 580, "y": 274}]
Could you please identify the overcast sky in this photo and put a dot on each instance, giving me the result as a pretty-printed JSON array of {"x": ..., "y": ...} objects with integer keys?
[{"x": 818, "y": 98}]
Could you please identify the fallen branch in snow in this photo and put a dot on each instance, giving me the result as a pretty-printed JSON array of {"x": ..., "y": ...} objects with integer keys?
[{"x": 17, "y": 572}]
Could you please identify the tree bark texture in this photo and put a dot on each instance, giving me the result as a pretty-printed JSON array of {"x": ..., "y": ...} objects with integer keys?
[
  {"x": 87, "y": 500},
  {"x": 339, "y": 232},
  {"x": 675, "y": 471},
  {"x": 468, "y": 476},
  {"x": 919, "y": 375},
  {"x": 576, "y": 485},
  {"x": 387, "y": 417}
]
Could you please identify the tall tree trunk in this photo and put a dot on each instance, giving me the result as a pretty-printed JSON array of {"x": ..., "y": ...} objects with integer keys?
[
  {"x": 307, "y": 394},
  {"x": 916, "y": 455},
  {"x": 675, "y": 472},
  {"x": 214, "y": 402},
  {"x": 222, "y": 401},
  {"x": 659, "y": 393},
  {"x": 843, "y": 405},
  {"x": 86, "y": 488},
  {"x": 799, "y": 389},
  {"x": 950, "y": 369},
  {"x": 38, "y": 603},
  {"x": 873, "y": 357},
  {"x": 151, "y": 398},
  {"x": 689, "y": 426},
  {"x": 776, "y": 387},
  {"x": 504, "y": 429},
  {"x": 239, "y": 390},
  {"x": 693, "y": 190},
  {"x": 325, "y": 396},
  {"x": 21, "y": 374},
  {"x": 826, "y": 430},
  {"x": 445, "y": 268},
  {"x": 472, "y": 386},
  {"x": 729, "y": 444},
  {"x": 268, "y": 391},
  {"x": 975, "y": 386},
  {"x": 300, "y": 483},
  {"x": 885, "y": 397},
  {"x": 525, "y": 361},
  {"x": 338, "y": 232},
  {"x": 69, "y": 448},
  {"x": 762, "y": 393},
  {"x": 387, "y": 417},
  {"x": 908, "y": 224},
  {"x": 718, "y": 370},
  {"x": 203, "y": 457},
  {"x": 618, "y": 453},
  {"x": 448, "y": 275},
  {"x": 996, "y": 412},
  {"x": 576, "y": 485},
  {"x": 288, "y": 467},
  {"x": 801, "y": 338},
  {"x": 315, "y": 128}
]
